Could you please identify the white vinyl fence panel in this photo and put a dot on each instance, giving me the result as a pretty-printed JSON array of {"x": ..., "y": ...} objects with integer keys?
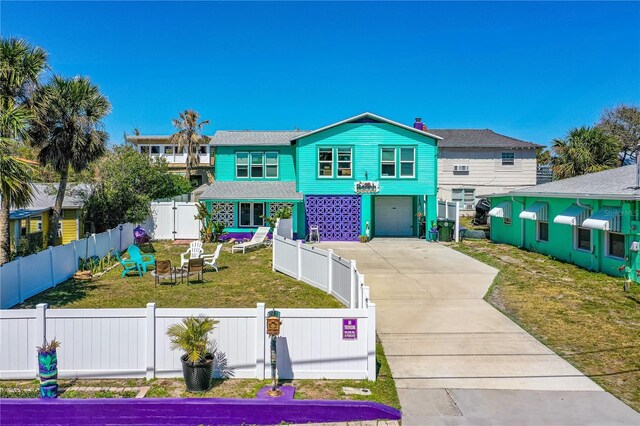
[
  {"x": 121, "y": 343},
  {"x": 314, "y": 264},
  {"x": 27, "y": 276}
]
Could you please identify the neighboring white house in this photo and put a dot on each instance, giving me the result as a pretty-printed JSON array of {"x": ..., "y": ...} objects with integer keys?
[{"x": 475, "y": 162}]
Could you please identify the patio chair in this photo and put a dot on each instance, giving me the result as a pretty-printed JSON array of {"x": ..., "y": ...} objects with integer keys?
[
  {"x": 195, "y": 267},
  {"x": 143, "y": 260},
  {"x": 257, "y": 240},
  {"x": 194, "y": 252},
  {"x": 164, "y": 270},
  {"x": 211, "y": 259},
  {"x": 128, "y": 265}
]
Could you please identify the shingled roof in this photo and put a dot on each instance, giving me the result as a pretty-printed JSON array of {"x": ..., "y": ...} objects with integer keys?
[
  {"x": 234, "y": 190},
  {"x": 254, "y": 137},
  {"x": 616, "y": 184},
  {"x": 479, "y": 138}
]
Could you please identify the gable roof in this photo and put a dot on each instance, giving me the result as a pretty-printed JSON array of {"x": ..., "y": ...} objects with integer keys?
[
  {"x": 479, "y": 138},
  {"x": 248, "y": 190},
  {"x": 618, "y": 184},
  {"x": 254, "y": 137},
  {"x": 370, "y": 116}
]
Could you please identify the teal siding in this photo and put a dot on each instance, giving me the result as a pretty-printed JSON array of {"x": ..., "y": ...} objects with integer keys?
[
  {"x": 225, "y": 163},
  {"x": 561, "y": 237},
  {"x": 366, "y": 139}
]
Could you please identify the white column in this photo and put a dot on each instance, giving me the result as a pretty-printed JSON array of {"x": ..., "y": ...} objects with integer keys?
[
  {"x": 456, "y": 231},
  {"x": 40, "y": 332},
  {"x": 330, "y": 271},
  {"x": 353, "y": 303},
  {"x": 299, "y": 252},
  {"x": 260, "y": 340},
  {"x": 371, "y": 342},
  {"x": 150, "y": 348}
]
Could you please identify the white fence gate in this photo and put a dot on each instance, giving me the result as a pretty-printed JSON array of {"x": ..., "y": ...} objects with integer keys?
[{"x": 173, "y": 220}]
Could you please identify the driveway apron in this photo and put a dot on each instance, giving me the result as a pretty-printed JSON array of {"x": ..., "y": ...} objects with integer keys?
[{"x": 458, "y": 360}]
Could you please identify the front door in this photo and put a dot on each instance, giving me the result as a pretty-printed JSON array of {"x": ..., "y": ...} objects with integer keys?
[{"x": 394, "y": 217}]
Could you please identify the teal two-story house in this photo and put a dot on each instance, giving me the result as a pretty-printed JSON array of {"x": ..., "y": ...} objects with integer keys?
[{"x": 366, "y": 175}]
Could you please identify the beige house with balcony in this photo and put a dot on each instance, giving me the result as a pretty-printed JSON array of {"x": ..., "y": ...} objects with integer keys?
[
  {"x": 158, "y": 146},
  {"x": 476, "y": 162}
]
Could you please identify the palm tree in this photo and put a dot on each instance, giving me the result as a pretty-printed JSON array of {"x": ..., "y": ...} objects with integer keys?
[
  {"x": 584, "y": 150},
  {"x": 189, "y": 137},
  {"x": 20, "y": 68},
  {"x": 69, "y": 131}
]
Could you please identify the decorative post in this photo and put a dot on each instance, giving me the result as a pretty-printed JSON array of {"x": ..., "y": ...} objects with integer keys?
[{"x": 273, "y": 330}]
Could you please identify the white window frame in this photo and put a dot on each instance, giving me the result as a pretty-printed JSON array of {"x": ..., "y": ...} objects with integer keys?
[
  {"x": 511, "y": 162},
  {"x": 575, "y": 239},
  {"x": 321, "y": 162},
  {"x": 538, "y": 239},
  {"x": 203, "y": 149},
  {"x": 252, "y": 224},
  {"x": 607, "y": 249},
  {"x": 389, "y": 162},
  {"x": 251, "y": 165},
  {"x": 248, "y": 154},
  {"x": 412, "y": 162},
  {"x": 146, "y": 148},
  {"x": 277, "y": 154},
  {"x": 151, "y": 149},
  {"x": 169, "y": 147},
  {"x": 336, "y": 155}
]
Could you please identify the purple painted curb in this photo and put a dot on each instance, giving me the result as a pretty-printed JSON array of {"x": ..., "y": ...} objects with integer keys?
[
  {"x": 188, "y": 411},
  {"x": 287, "y": 393}
]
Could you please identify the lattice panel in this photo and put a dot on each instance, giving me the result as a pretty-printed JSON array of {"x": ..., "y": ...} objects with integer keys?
[
  {"x": 274, "y": 207},
  {"x": 223, "y": 212},
  {"x": 337, "y": 216}
]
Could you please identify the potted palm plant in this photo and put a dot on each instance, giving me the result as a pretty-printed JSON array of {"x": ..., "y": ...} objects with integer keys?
[
  {"x": 48, "y": 368},
  {"x": 192, "y": 337}
]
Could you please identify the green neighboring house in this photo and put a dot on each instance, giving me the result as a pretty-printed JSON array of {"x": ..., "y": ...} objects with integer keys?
[
  {"x": 590, "y": 220},
  {"x": 366, "y": 175}
]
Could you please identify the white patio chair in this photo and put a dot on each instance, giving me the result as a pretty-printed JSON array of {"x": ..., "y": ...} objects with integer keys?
[
  {"x": 194, "y": 252},
  {"x": 257, "y": 240},
  {"x": 211, "y": 259}
]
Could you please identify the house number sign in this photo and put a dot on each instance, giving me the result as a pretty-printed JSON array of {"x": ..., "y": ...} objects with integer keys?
[{"x": 366, "y": 187}]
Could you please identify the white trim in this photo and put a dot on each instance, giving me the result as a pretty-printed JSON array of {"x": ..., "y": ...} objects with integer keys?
[
  {"x": 538, "y": 223},
  {"x": 251, "y": 223},
  {"x": 318, "y": 162},
  {"x": 337, "y": 156},
  {"x": 413, "y": 163},
  {"x": 366, "y": 115},
  {"x": 607, "y": 252},
  {"x": 536, "y": 211},
  {"x": 575, "y": 239},
  {"x": 502, "y": 210},
  {"x": 395, "y": 162},
  {"x": 513, "y": 160},
  {"x": 277, "y": 164},
  {"x": 572, "y": 215}
]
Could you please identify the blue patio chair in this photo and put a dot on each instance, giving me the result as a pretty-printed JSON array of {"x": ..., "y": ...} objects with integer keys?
[
  {"x": 143, "y": 260},
  {"x": 128, "y": 265}
]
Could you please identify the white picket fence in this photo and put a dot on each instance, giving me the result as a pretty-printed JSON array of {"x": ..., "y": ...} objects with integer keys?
[
  {"x": 173, "y": 220},
  {"x": 450, "y": 210},
  {"x": 320, "y": 268},
  {"x": 27, "y": 276},
  {"x": 129, "y": 343}
]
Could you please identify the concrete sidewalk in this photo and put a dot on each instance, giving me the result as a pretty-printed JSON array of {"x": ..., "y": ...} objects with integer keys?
[{"x": 456, "y": 359}]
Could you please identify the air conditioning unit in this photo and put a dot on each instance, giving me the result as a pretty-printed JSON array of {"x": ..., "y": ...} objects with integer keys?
[{"x": 460, "y": 168}]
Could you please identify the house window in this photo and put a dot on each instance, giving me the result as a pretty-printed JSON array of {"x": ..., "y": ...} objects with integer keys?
[
  {"x": 242, "y": 164},
  {"x": 465, "y": 196},
  {"x": 506, "y": 220},
  {"x": 250, "y": 214},
  {"x": 257, "y": 164},
  {"x": 325, "y": 162},
  {"x": 344, "y": 162},
  {"x": 508, "y": 158},
  {"x": 155, "y": 150},
  {"x": 388, "y": 162},
  {"x": 582, "y": 239},
  {"x": 168, "y": 150},
  {"x": 60, "y": 228},
  {"x": 542, "y": 232},
  {"x": 615, "y": 244},
  {"x": 407, "y": 162},
  {"x": 203, "y": 149},
  {"x": 23, "y": 228},
  {"x": 271, "y": 168},
  {"x": 144, "y": 150}
]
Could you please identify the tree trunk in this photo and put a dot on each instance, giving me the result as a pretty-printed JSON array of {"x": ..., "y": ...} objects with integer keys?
[
  {"x": 5, "y": 231},
  {"x": 57, "y": 207}
]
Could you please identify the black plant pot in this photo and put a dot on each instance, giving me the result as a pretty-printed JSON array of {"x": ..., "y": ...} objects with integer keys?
[{"x": 197, "y": 376}]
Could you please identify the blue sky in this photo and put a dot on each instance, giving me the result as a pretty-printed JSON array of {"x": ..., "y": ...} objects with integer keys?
[{"x": 528, "y": 70}]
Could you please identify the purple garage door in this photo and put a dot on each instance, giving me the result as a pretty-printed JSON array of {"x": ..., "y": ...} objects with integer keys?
[{"x": 337, "y": 216}]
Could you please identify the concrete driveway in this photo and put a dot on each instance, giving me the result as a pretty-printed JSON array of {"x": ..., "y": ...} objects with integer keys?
[{"x": 456, "y": 359}]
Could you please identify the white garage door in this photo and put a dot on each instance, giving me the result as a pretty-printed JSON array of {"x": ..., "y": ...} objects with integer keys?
[{"x": 394, "y": 217}]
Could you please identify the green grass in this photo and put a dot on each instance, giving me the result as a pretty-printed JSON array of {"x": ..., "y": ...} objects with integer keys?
[
  {"x": 243, "y": 281},
  {"x": 382, "y": 391},
  {"x": 583, "y": 316}
]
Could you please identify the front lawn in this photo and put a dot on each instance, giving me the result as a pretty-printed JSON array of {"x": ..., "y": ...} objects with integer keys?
[
  {"x": 243, "y": 281},
  {"x": 583, "y": 316}
]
